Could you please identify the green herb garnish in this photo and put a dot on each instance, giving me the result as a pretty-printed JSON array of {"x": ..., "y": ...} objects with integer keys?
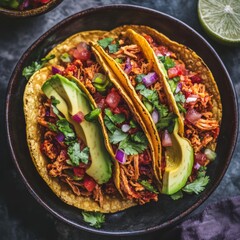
[
  {"x": 105, "y": 42},
  {"x": 76, "y": 155},
  {"x": 35, "y": 66},
  {"x": 95, "y": 219},
  {"x": 148, "y": 186},
  {"x": 93, "y": 115}
]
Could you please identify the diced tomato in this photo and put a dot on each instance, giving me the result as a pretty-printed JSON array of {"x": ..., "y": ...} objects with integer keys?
[
  {"x": 163, "y": 50},
  {"x": 176, "y": 71},
  {"x": 89, "y": 183},
  {"x": 196, "y": 79},
  {"x": 113, "y": 99},
  {"x": 148, "y": 38},
  {"x": 79, "y": 172},
  {"x": 200, "y": 158}
]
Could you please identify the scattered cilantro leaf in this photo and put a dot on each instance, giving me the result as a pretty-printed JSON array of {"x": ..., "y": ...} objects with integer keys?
[
  {"x": 118, "y": 60},
  {"x": 115, "y": 118},
  {"x": 181, "y": 108},
  {"x": 202, "y": 171},
  {"x": 112, "y": 48},
  {"x": 117, "y": 136},
  {"x": 64, "y": 127},
  {"x": 35, "y": 66},
  {"x": 95, "y": 219},
  {"x": 180, "y": 98},
  {"x": 167, "y": 62},
  {"x": 140, "y": 87},
  {"x": 76, "y": 155},
  {"x": 52, "y": 127},
  {"x": 139, "y": 137},
  {"x": 139, "y": 77},
  {"x": 177, "y": 195},
  {"x": 133, "y": 124},
  {"x": 130, "y": 147},
  {"x": 148, "y": 186},
  {"x": 105, "y": 42},
  {"x": 109, "y": 125},
  {"x": 173, "y": 85},
  {"x": 196, "y": 186},
  {"x": 167, "y": 122}
]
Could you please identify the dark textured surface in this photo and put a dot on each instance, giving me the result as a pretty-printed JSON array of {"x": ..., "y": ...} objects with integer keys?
[{"x": 21, "y": 216}]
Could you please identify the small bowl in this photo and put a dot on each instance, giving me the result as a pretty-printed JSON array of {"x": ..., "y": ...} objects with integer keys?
[
  {"x": 139, "y": 219},
  {"x": 31, "y": 12}
]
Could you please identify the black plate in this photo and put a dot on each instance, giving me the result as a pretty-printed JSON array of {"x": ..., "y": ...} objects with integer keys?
[{"x": 139, "y": 219}]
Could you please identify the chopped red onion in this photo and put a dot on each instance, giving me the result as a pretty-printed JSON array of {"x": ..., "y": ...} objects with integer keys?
[
  {"x": 149, "y": 79},
  {"x": 192, "y": 98},
  {"x": 55, "y": 70},
  {"x": 60, "y": 137},
  {"x": 78, "y": 117},
  {"x": 125, "y": 127},
  {"x": 155, "y": 116},
  {"x": 197, "y": 166},
  {"x": 128, "y": 66},
  {"x": 178, "y": 88},
  {"x": 166, "y": 139},
  {"x": 192, "y": 115},
  {"x": 120, "y": 156}
]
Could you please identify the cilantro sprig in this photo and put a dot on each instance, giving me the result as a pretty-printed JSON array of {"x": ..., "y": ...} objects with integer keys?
[
  {"x": 95, "y": 219},
  {"x": 130, "y": 143},
  {"x": 35, "y": 66},
  {"x": 148, "y": 186}
]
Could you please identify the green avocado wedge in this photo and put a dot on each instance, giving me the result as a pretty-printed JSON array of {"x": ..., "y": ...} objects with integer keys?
[
  {"x": 179, "y": 163},
  {"x": 71, "y": 101}
]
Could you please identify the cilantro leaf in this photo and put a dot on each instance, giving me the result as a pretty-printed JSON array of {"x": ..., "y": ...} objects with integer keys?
[
  {"x": 180, "y": 98},
  {"x": 181, "y": 108},
  {"x": 177, "y": 195},
  {"x": 95, "y": 219},
  {"x": 105, "y": 42},
  {"x": 173, "y": 85},
  {"x": 113, "y": 48},
  {"x": 139, "y": 77},
  {"x": 109, "y": 125},
  {"x": 148, "y": 186},
  {"x": 117, "y": 136},
  {"x": 140, "y": 87},
  {"x": 196, "y": 186},
  {"x": 167, "y": 122},
  {"x": 76, "y": 155},
  {"x": 202, "y": 171},
  {"x": 52, "y": 127},
  {"x": 167, "y": 62},
  {"x": 64, "y": 127},
  {"x": 115, "y": 118},
  {"x": 130, "y": 147},
  {"x": 139, "y": 137},
  {"x": 35, "y": 66},
  {"x": 118, "y": 60}
]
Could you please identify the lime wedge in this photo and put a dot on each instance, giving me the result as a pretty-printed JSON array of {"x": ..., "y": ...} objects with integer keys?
[{"x": 221, "y": 19}]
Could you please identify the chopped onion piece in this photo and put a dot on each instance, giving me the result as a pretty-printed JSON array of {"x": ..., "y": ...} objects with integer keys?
[
  {"x": 166, "y": 139},
  {"x": 125, "y": 127},
  {"x": 193, "y": 116},
  {"x": 178, "y": 88},
  {"x": 155, "y": 116},
  {"x": 197, "y": 166},
  {"x": 55, "y": 70},
  {"x": 60, "y": 137},
  {"x": 78, "y": 117},
  {"x": 192, "y": 98},
  {"x": 149, "y": 79},
  {"x": 211, "y": 155},
  {"x": 128, "y": 66},
  {"x": 121, "y": 156}
]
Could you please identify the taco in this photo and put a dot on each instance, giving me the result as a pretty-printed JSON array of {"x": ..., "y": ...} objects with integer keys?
[
  {"x": 144, "y": 76},
  {"x": 66, "y": 163}
]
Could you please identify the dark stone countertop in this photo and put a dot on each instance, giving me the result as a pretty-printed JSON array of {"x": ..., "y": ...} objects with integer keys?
[{"x": 21, "y": 217}]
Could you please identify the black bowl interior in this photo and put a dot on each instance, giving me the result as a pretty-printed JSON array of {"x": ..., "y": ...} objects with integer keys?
[{"x": 140, "y": 219}]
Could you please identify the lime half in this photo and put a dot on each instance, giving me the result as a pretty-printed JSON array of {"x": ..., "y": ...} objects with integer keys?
[{"x": 221, "y": 19}]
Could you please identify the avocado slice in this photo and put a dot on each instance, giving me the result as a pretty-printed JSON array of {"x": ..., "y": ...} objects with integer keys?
[
  {"x": 179, "y": 163},
  {"x": 72, "y": 100}
]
